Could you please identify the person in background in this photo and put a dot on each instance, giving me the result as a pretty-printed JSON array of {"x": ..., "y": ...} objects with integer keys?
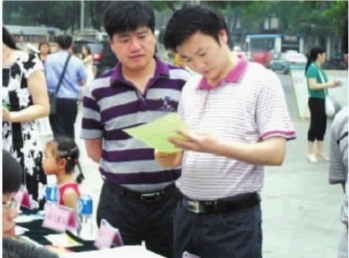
[
  {"x": 318, "y": 85},
  {"x": 138, "y": 197},
  {"x": 339, "y": 170},
  {"x": 87, "y": 58},
  {"x": 12, "y": 174},
  {"x": 24, "y": 99},
  {"x": 18, "y": 249},
  {"x": 60, "y": 159},
  {"x": 44, "y": 48},
  {"x": 63, "y": 122},
  {"x": 73, "y": 50},
  {"x": 88, "y": 62},
  {"x": 239, "y": 123},
  {"x": 21, "y": 44},
  {"x": 44, "y": 123}
]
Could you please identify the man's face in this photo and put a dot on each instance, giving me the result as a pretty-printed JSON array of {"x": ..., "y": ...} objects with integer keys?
[
  {"x": 202, "y": 54},
  {"x": 21, "y": 39},
  {"x": 134, "y": 49}
]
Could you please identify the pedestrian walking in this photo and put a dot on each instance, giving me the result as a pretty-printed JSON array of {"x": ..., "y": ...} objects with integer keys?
[{"x": 74, "y": 76}]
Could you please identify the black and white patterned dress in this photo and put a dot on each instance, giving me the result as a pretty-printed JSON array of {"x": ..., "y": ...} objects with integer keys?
[{"x": 22, "y": 139}]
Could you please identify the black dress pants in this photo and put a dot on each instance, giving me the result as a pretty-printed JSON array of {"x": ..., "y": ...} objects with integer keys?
[{"x": 62, "y": 123}]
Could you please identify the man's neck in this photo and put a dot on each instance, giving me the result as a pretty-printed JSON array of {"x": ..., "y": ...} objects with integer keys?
[{"x": 229, "y": 65}]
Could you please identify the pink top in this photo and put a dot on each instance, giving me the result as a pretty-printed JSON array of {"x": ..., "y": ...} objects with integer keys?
[
  {"x": 72, "y": 221},
  {"x": 66, "y": 186}
]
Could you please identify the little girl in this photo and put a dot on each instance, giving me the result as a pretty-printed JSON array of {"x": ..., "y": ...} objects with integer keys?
[{"x": 61, "y": 157}]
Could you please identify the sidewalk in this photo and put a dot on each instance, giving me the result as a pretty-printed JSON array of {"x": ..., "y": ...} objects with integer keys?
[{"x": 300, "y": 208}]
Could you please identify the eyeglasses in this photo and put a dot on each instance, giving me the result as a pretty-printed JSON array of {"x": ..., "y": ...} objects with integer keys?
[{"x": 11, "y": 205}]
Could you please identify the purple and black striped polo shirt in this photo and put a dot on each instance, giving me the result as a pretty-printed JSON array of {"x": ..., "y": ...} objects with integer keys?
[{"x": 112, "y": 104}]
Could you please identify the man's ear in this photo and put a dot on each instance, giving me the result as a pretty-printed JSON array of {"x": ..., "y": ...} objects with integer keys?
[{"x": 223, "y": 36}]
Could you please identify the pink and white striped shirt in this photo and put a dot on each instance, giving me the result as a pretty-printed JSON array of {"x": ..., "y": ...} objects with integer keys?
[{"x": 247, "y": 107}]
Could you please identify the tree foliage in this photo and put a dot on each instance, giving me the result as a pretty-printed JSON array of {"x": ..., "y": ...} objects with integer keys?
[
  {"x": 332, "y": 11},
  {"x": 305, "y": 17}
]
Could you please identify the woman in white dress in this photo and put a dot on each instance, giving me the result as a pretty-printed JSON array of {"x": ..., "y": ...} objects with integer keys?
[
  {"x": 24, "y": 99},
  {"x": 88, "y": 62},
  {"x": 43, "y": 123}
]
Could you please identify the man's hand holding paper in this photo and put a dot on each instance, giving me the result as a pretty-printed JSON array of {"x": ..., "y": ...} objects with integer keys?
[
  {"x": 196, "y": 141},
  {"x": 156, "y": 134}
]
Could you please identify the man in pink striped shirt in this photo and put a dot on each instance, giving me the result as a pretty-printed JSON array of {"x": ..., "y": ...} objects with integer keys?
[{"x": 239, "y": 123}]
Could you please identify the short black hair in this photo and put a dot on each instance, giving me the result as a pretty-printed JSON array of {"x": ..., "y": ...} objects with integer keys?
[
  {"x": 64, "y": 41},
  {"x": 18, "y": 249},
  {"x": 7, "y": 39},
  {"x": 190, "y": 20},
  {"x": 12, "y": 173},
  {"x": 123, "y": 16}
]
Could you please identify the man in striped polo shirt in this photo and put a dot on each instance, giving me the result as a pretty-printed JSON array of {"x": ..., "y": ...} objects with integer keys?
[
  {"x": 239, "y": 123},
  {"x": 138, "y": 196}
]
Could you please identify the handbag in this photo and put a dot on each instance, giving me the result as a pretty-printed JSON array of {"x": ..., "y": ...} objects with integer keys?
[
  {"x": 330, "y": 108},
  {"x": 52, "y": 96}
]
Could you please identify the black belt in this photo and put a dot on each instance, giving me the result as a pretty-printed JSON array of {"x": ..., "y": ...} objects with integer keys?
[
  {"x": 150, "y": 197},
  {"x": 235, "y": 203}
]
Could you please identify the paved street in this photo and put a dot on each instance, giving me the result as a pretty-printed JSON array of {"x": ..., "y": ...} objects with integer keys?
[{"x": 300, "y": 208}]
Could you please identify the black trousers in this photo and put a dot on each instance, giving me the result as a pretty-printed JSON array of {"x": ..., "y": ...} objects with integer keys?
[
  {"x": 62, "y": 123},
  {"x": 231, "y": 234},
  {"x": 140, "y": 221},
  {"x": 318, "y": 119}
]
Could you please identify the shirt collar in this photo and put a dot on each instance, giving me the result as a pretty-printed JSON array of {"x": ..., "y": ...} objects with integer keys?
[
  {"x": 234, "y": 75},
  {"x": 161, "y": 70}
]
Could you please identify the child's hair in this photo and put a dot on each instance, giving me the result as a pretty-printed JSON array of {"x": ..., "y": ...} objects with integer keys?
[{"x": 67, "y": 149}]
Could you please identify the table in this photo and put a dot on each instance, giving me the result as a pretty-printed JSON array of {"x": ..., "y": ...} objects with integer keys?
[
  {"x": 36, "y": 232},
  {"x": 123, "y": 252}
]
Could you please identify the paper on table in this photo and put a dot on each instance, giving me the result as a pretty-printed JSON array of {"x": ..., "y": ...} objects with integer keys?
[
  {"x": 62, "y": 240},
  {"x": 155, "y": 134},
  {"x": 20, "y": 230},
  {"x": 122, "y": 251}
]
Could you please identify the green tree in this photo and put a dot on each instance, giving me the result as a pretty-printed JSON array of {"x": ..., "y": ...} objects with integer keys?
[{"x": 96, "y": 10}]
